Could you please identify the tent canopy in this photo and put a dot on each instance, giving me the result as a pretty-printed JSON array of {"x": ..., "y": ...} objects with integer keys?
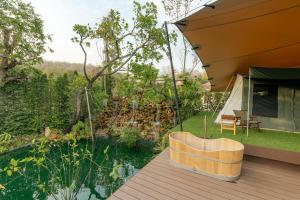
[
  {"x": 233, "y": 35},
  {"x": 275, "y": 73}
]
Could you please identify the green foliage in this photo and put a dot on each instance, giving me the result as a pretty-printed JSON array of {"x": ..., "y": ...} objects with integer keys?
[
  {"x": 177, "y": 8},
  {"x": 41, "y": 101},
  {"x": 65, "y": 171},
  {"x": 22, "y": 39},
  {"x": 130, "y": 136},
  {"x": 81, "y": 129},
  {"x": 164, "y": 143},
  {"x": 69, "y": 165},
  {"x": 60, "y": 103},
  {"x": 115, "y": 173},
  {"x": 140, "y": 84},
  {"x": 5, "y": 138},
  {"x": 143, "y": 86},
  {"x": 138, "y": 42},
  {"x": 190, "y": 93},
  {"x": 24, "y": 105}
]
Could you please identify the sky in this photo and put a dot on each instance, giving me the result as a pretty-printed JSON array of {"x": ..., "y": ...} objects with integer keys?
[{"x": 60, "y": 15}]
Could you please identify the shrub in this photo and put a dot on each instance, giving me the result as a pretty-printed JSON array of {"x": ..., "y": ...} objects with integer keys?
[
  {"x": 81, "y": 129},
  {"x": 130, "y": 136},
  {"x": 164, "y": 143},
  {"x": 5, "y": 138},
  {"x": 42, "y": 100}
]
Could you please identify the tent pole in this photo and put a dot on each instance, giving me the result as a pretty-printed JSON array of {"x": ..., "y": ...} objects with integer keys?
[
  {"x": 174, "y": 79},
  {"x": 248, "y": 108}
]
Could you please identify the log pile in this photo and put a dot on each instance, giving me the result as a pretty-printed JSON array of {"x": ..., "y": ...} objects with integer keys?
[{"x": 148, "y": 118}]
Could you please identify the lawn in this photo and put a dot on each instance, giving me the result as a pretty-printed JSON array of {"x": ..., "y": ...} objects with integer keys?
[{"x": 266, "y": 138}]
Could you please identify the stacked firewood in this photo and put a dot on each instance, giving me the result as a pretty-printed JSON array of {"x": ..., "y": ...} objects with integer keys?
[{"x": 148, "y": 118}]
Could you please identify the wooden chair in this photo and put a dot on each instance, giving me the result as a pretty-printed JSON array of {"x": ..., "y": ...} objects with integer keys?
[
  {"x": 228, "y": 122},
  {"x": 241, "y": 119}
]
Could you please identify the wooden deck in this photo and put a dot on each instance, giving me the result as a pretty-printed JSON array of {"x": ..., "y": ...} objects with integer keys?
[{"x": 261, "y": 179}]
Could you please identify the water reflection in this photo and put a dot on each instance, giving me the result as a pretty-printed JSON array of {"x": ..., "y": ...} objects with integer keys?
[{"x": 87, "y": 179}]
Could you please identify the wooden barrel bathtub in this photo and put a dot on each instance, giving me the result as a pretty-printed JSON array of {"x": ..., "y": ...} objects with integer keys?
[{"x": 220, "y": 158}]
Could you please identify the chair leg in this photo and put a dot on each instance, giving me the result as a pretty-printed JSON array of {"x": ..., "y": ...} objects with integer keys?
[
  {"x": 243, "y": 127},
  {"x": 221, "y": 129},
  {"x": 234, "y": 129}
]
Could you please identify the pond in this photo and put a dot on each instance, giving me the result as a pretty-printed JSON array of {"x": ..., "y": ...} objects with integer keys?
[{"x": 71, "y": 172}]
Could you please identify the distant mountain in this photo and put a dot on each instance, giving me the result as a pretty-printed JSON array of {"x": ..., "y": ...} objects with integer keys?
[{"x": 54, "y": 67}]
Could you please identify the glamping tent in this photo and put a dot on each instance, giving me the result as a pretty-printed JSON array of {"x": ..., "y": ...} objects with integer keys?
[
  {"x": 232, "y": 36},
  {"x": 235, "y": 99},
  {"x": 274, "y": 97}
]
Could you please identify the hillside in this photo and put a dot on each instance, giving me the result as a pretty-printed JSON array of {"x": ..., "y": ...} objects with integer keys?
[{"x": 62, "y": 67}]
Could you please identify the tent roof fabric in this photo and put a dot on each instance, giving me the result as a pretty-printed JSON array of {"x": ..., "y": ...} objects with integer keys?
[
  {"x": 275, "y": 73},
  {"x": 238, "y": 34}
]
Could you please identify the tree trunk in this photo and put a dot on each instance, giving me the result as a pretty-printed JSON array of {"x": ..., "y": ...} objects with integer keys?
[
  {"x": 76, "y": 116},
  {"x": 2, "y": 74},
  {"x": 108, "y": 78},
  {"x": 4, "y": 58},
  {"x": 185, "y": 46}
]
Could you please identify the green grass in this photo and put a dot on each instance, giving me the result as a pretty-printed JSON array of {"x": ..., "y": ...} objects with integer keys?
[{"x": 265, "y": 138}]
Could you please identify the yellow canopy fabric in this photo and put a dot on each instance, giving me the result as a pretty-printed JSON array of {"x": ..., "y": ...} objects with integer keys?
[{"x": 238, "y": 34}]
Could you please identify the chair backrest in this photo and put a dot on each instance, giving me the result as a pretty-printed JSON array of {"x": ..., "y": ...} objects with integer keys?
[
  {"x": 228, "y": 117},
  {"x": 241, "y": 114}
]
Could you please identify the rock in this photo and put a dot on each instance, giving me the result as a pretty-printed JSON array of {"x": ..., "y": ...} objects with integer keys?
[
  {"x": 101, "y": 133},
  {"x": 50, "y": 135},
  {"x": 54, "y": 136},
  {"x": 47, "y": 132}
]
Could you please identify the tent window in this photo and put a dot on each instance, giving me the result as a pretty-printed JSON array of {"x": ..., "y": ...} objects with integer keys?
[{"x": 265, "y": 100}]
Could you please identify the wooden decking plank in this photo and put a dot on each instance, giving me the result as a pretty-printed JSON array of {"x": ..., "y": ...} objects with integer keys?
[
  {"x": 233, "y": 193},
  {"x": 113, "y": 197},
  {"x": 211, "y": 192},
  {"x": 285, "y": 168},
  {"x": 165, "y": 157},
  {"x": 273, "y": 169},
  {"x": 136, "y": 193},
  {"x": 206, "y": 179},
  {"x": 160, "y": 187},
  {"x": 266, "y": 192},
  {"x": 151, "y": 192},
  {"x": 258, "y": 191},
  {"x": 172, "y": 188},
  {"x": 267, "y": 187},
  {"x": 177, "y": 186},
  {"x": 123, "y": 195},
  {"x": 275, "y": 175},
  {"x": 261, "y": 179},
  {"x": 256, "y": 178}
]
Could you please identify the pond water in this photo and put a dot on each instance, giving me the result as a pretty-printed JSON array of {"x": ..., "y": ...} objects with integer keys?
[{"x": 82, "y": 177}]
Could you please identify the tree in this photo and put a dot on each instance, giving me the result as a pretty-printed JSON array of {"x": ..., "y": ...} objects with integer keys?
[
  {"x": 178, "y": 9},
  {"x": 127, "y": 43},
  {"x": 22, "y": 38}
]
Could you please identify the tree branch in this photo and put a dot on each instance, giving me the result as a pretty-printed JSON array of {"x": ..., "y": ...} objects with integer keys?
[
  {"x": 15, "y": 79},
  {"x": 128, "y": 34},
  {"x": 129, "y": 56},
  {"x": 3, "y": 56},
  {"x": 85, "y": 59},
  {"x": 13, "y": 63}
]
